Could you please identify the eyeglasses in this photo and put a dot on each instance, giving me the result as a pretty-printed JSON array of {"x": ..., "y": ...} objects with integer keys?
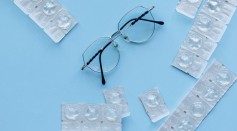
[{"x": 136, "y": 26}]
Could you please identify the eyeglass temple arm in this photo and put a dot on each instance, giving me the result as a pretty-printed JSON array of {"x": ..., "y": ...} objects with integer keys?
[
  {"x": 101, "y": 70},
  {"x": 153, "y": 21}
]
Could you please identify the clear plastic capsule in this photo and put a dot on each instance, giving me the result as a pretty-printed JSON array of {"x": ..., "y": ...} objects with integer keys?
[
  {"x": 219, "y": 9},
  {"x": 220, "y": 75},
  {"x": 58, "y": 27},
  {"x": 189, "y": 62},
  {"x": 154, "y": 105},
  {"x": 188, "y": 7},
  {"x": 45, "y": 12},
  {"x": 209, "y": 27},
  {"x": 208, "y": 91},
  {"x": 71, "y": 112},
  {"x": 194, "y": 107},
  {"x": 117, "y": 96},
  {"x": 199, "y": 45}
]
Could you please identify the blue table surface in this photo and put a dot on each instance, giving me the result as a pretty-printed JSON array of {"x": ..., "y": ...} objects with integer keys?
[{"x": 37, "y": 75}]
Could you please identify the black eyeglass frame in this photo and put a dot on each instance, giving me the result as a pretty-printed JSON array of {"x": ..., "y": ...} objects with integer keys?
[{"x": 116, "y": 35}]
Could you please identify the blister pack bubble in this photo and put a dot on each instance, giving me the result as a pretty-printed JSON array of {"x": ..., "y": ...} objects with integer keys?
[
  {"x": 203, "y": 97},
  {"x": 209, "y": 27},
  {"x": 50, "y": 15},
  {"x": 117, "y": 96},
  {"x": 189, "y": 63},
  {"x": 154, "y": 105},
  {"x": 91, "y": 117},
  {"x": 188, "y": 7},
  {"x": 219, "y": 9},
  {"x": 199, "y": 44}
]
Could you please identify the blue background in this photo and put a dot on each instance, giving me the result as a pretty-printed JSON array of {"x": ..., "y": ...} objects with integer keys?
[{"x": 37, "y": 76}]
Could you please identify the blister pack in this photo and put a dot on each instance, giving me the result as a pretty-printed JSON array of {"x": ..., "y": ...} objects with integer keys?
[
  {"x": 209, "y": 27},
  {"x": 117, "y": 96},
  {"x": 154, "y": 105},
  {"x": 199, "y": 45},
  {"x": 188, "y": 7},
  {"x": 91, "y": 117},
  {"x": 203, "y": 97},
  {"x": 219, "y": 9},
  {"x": 189, "y": 63},
  {"x": 49, "y": 15}
]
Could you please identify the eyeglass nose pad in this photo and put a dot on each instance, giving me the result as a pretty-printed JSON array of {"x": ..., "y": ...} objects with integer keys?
[
  {"x": 116, "y": 45},
  {"x": 125, "y": 37}
]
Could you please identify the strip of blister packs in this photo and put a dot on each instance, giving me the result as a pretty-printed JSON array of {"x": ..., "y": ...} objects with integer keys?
[
  {"x": 117, "y": 96},
  {"x": 188, "y": 8},
  {"x": 206, "y": 32},
  {"x": 49, "y": 15},
  {"x": 91, "y": 117},
  {"x": 154, "y": 105},
  {"x": 203, "y": 97}
]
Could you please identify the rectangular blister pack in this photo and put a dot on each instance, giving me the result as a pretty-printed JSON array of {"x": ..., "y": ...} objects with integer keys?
[
  {"x": 117, "y": 96},
  {"x": 199, "y": 45},
  {"x": 50, "y": 15},
  {"x": 154, "y": 105},
  {"x": 91, "y": 117},
  {"x": 188, "y": 7},
  {"x": 221, "y": 10},
  {"x": 209, "y": 27},
  {"x": 203, "y": 97},
  {"x": 189, "y": 63}
]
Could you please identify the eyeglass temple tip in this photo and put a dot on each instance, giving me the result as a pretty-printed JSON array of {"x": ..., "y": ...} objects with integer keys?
[{"x": 84, "y": 66}]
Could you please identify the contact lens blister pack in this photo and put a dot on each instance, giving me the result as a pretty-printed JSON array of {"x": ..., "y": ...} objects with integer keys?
[
  {"x": 209, "y": 27},
  {"x": 219, "y": 9},
  {"x": 203, "y": 97},
  {"x": 91, "y": 117},
  {"x": 49, "y": 15},
  {"x": 117, "y": 96},
  {"x": 199, "y": 45},
  {"x": 154, "y": 105},
  {"x": 189, "y": 63},
  {"x": 188, "y": 7}
]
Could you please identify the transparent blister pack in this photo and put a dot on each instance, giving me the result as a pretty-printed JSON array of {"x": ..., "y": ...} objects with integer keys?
[
  {"x": 72, "y": 112},
  {"x": 91, "y": 117},
  {"x": 194, "y": 107},
  {"x": 199, "y": 44},
  {"x": 179, "y": 121},
  {"x": 219, "y": 9},
  {"x": 188, "y": 7},
  {"x": 49, "y": 15},
  {"x": 154, "y": 105},
  {"x": 209, "y": 27},
  {"x": 45, "y": 11},
  {"x": 58, "y": 27},
  {"x": 189, "y": 63},
  {"x": 117, "y": 96},
  {"x": 201, "y": 99},
  {"x": 220, "y": 75},
  {"x": 208, "y": 91},
  {"x": 27, "y": 6}
]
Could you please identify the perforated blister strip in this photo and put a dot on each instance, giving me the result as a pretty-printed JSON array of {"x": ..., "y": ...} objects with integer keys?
[
  {"x": 49, "y": 15},
  {"x": 91, "y": 117},
  {"x": 207, "y": 30},
  {"x": 203, "y": 97}
]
